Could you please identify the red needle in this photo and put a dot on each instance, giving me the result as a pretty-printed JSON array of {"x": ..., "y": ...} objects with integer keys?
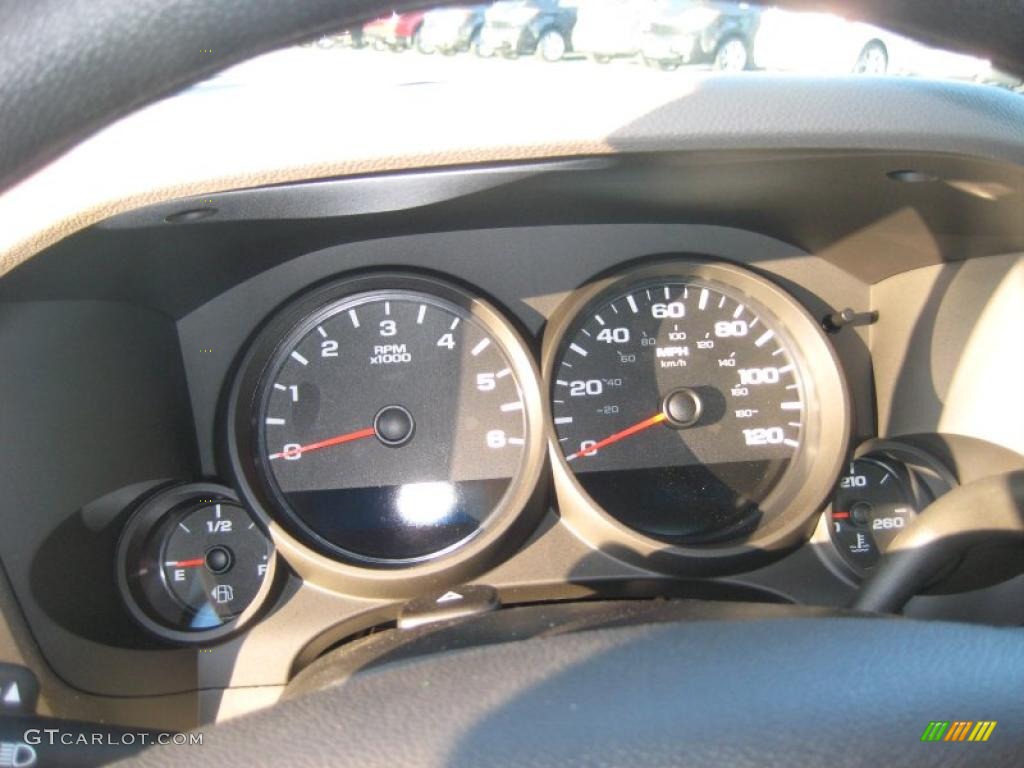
[
  {"x": 627, "y": 432},
  {"x": 357, "y": 435},
  {"x": 188, "y": 563}
]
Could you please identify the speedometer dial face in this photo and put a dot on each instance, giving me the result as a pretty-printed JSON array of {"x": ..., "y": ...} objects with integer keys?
[
  {"x": 682, "y": 404},
  {"x": 391, "y": 424},
  {"x": 679, "y": 407}
]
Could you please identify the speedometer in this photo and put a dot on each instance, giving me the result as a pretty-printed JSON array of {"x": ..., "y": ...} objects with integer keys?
[
  {"x": 388, "y": 421},
  {"x": 696, "y": 405}
]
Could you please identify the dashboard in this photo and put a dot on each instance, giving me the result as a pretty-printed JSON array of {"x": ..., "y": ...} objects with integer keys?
[{"x": 263, "y": 423}]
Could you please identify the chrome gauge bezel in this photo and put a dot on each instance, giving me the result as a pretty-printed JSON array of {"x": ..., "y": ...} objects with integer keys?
[
  {"x": 517, "y": 512},
  {"x": 790, "y": 508}
]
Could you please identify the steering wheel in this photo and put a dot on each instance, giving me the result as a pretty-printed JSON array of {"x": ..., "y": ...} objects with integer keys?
[{"x": 700, "y": 686}]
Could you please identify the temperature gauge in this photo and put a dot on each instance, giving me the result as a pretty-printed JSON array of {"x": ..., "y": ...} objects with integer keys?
[
  {"x": 193, "y": 564},
  {"x": 873, "y": 502}
]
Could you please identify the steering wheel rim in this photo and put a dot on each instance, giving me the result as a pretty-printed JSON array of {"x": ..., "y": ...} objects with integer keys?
[{"x": 792, "y": 691}]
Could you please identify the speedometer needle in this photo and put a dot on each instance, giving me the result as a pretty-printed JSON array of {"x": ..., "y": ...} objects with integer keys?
[
  {"x": 627, "y": 432},
  {"x": 337, "y": 440}
]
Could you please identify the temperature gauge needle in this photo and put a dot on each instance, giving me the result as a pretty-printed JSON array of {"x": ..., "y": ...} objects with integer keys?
[
  {"x": 338, "y": 440},
  {"x": 627, "y": 432},
  {"x": 186, "y": 563}
]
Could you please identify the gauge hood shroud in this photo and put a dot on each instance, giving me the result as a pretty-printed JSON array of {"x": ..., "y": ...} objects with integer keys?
[{"x": 789, "y": 510}]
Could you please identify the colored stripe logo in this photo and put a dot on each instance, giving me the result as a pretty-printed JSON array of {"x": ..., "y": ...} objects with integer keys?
[{"x": 958, "y": 730}]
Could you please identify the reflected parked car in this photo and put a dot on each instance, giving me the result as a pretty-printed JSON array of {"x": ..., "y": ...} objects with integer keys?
[
  {"x": 687, "y": 32},
  {"x": 352, "y": 37},
  {"x": 822, "y": 43},
  {"x": 607, "y": 29},
  {"x": 398, "y": 31},
  {"x": 451, "y": 29},
  {"x": 525, "y": 27}
]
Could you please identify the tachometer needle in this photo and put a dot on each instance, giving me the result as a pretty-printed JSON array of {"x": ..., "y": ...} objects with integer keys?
[
  {"x": 627, "y": 432},
  {"x": 338, "y": 440}
]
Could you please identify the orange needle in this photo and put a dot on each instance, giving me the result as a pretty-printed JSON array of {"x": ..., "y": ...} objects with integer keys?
[
  {"x": 358, "y": 435},
  {"x": 627, "y": 432}
]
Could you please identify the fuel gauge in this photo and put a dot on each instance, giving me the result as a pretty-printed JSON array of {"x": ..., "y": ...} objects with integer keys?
[{"x": 193, "y": 565}]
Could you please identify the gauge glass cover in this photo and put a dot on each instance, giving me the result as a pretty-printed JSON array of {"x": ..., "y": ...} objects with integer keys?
[
  {"x": 679, "y": 405},
  {"x": 390, "y": 427}
]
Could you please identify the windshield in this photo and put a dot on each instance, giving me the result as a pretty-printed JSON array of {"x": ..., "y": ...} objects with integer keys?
[{"x": 522, "y": 46}]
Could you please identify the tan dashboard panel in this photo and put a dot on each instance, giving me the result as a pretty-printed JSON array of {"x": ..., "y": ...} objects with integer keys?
[
  {"x": 202, "y": 143},
  {"x": 215, "y": 139}
]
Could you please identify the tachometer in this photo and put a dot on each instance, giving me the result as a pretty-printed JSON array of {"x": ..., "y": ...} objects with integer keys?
[
  {"x": 389, "y": 420},
  {"x": 696, "y": 405}
]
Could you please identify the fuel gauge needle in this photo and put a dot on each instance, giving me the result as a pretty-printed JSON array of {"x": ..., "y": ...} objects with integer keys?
[
  {"x": 627, "y": 432},
  {"x": 186, "y": 563}
]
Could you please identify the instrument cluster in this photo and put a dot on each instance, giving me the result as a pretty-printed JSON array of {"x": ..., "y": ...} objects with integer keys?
[{"x": 390, "y": 433}]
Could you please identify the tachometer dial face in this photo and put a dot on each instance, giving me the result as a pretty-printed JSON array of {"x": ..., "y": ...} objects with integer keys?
[
  {"x": 685, "y": 407},
  {"x": 391, "y": 424}
]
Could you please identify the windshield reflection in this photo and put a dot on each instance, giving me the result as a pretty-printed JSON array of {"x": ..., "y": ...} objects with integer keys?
[{"x": 525, "y": 44}]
